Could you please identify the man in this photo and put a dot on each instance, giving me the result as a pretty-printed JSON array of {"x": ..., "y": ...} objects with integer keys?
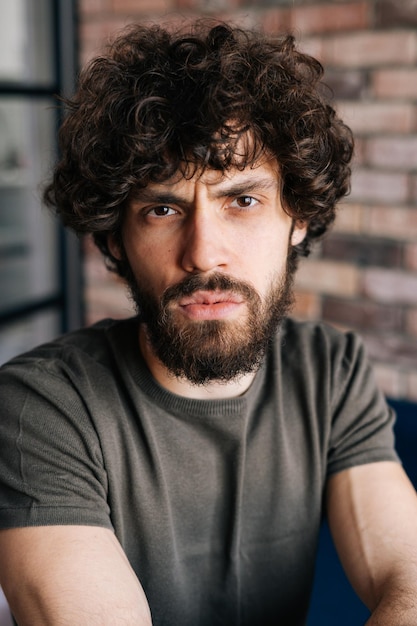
[{"x": 174, "y": 468}]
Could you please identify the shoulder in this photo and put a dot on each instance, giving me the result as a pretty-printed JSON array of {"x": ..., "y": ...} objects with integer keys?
[
  {"x": 323, "y": 363},
  {"x": 311, "y": 342},
  {"x": 69, "y": 373},
  {"x": 325, "y": 372},
  {"x": 89, "y": 346}
]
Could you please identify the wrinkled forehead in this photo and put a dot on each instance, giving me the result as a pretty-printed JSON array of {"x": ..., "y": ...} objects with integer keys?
[{"x": 262, "y": 175}]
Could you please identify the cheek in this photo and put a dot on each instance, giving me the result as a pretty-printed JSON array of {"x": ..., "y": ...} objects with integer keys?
[
  {"x": 152, "y": 270},
  {"x": 269, "y": 262},
  {"x": 269, "y": 250}
]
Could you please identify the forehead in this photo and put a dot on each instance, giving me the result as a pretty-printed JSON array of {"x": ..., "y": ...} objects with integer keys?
[{"x": 264, "y": 174}]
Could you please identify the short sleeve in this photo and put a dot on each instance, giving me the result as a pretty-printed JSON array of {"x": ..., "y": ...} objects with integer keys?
[
  {"x": 362, "y": 422},
  {"x": 51, "y": 466}
]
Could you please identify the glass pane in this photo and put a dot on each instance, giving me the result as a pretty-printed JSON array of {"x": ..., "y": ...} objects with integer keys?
[
  {"x": 26, "y": 52},
  {"x": 28, "y": 241},
  {"x": 21, "y": 336}
]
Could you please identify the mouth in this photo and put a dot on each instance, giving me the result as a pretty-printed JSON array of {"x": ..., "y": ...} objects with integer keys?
[{"x": 210, "y": 305}]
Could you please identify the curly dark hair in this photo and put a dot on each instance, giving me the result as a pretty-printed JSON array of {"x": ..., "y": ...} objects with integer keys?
[{"x": 160, "y": 102}]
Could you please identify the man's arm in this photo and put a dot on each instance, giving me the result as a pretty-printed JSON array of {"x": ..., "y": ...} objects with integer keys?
[
  {"x": 69, "y": 575},
  {"x": 372, "y": 511}
]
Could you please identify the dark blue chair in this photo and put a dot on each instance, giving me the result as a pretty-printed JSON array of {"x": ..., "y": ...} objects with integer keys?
[{"x": 333, "y": 601}]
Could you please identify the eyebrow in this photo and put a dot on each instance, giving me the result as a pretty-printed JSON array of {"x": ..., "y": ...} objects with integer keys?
[
  {"x": 156, "y": 196},
  {"x": 243, "y": 187}
]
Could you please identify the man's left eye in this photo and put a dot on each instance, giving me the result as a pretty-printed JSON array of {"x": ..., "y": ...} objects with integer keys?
[
  {"x": 161, "y": 211},
  {"x": 244, "y": 202}
]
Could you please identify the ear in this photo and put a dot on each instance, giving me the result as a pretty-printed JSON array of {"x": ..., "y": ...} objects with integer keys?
[
  {"x": 114, "y": 247},
  {"x": 299, "y": 232}
]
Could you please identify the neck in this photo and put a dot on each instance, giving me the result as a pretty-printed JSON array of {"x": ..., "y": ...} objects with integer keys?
[{"x": 181, "y": 386}]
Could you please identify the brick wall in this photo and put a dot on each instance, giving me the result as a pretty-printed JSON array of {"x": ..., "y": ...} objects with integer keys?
[{"x": 364, "y": 276}]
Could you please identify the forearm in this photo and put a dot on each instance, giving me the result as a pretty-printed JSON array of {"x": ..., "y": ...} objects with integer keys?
[
  {"x": 68, "y": 605},
  {"x": 35, "y": 612},
  {"x": 398, "y": 605},
  {"x": 398, "y": 614},
  {"x": 372, "y": 512}
]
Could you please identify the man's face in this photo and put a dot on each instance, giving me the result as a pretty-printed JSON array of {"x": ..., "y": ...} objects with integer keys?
[{"x": 210, "y": 268}]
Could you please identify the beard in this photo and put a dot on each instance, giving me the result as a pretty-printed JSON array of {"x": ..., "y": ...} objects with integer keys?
[{"x": 213, "y": 350}]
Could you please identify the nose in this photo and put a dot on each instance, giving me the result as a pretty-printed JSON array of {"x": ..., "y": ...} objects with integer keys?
[{"x": 205, "y": 243}]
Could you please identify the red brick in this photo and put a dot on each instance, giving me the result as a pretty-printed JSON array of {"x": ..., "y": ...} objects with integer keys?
[
  {"x": 346, "y": 84},
  {"x": 389, "y": 286},
  {"x": 363, "y": 314},
  {"x": 391, "y": 348},
  {"x": 307, "y": 305},
  {"x": 349, "y": 218},
  {"x": 380, "y": 187},
  {"x": 107, "y": 301},
  {"x": 340, "y": 279},
  {"x": 359, "y": 153},
  {"x": 275, "y": 20},
  {"x": 390, "y": 380},
  {"x": 96, "y": 34},
  {"x": 398, "y": 83},
  {"x": 95, "y": 271},
  {"x": 391, "y": 13},
  {"x": 378, "y": 117},
  {"x": 312, "y": 45},
  {"x": 143, "y": 7},
  {"x": 320, "y": 18},
  {"x": 412, "y": 386},
  {"x": 413, "y": 189},
  {"x": 394, "y": 222},
  {"x": 410, "y": 260},
  {"x": 371, "y": 49},
  {"x": 244, "y": 19},
  {"x": 172, "y": 21},
  {"x": 411, "y": 321},
  {"x": 363, "y": 251},
  {"x": 93, "y": 7},
  {"x": 398, "y": 153},
  {"x": 106, "y": 294}
]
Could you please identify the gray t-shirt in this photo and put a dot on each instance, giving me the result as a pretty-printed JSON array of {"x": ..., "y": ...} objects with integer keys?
[{"x": 217, "y": 503}]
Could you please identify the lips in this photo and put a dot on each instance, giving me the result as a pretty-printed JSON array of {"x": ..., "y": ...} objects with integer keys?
[
  {"x": 210, "y": 305},
  {"x": 209, "y": 298}
]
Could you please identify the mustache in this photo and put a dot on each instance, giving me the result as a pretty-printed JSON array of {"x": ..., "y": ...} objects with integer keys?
[{"x": 214, "y": 282}]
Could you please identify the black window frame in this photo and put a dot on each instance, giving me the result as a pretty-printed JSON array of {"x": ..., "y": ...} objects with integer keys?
[{"x": 67, "y": 300}]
